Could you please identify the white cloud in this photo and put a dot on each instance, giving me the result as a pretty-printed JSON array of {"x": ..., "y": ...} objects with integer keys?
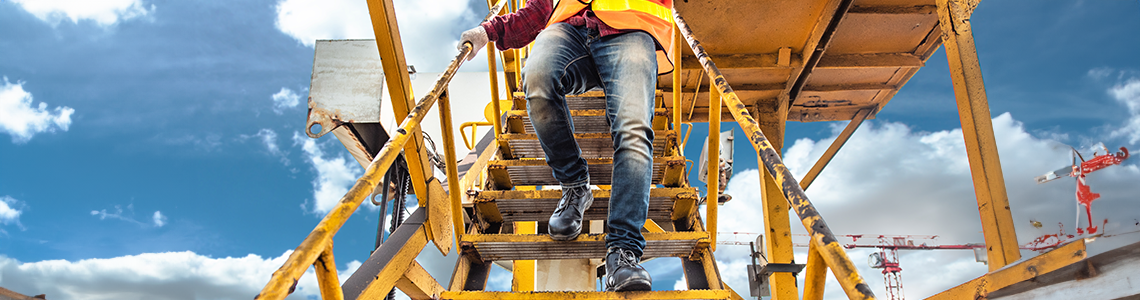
[
  {"x": 334, "y": 175},
  {"x": 159, "y": 219},
  {"x": 103, "y": 12},
  {"x": 159, "y": 276},
  {"x": 285, "y": 99},
  {"x": 889, "y": 179},
  {"x": 428, "y": 29},
  {"x": 1128, "y": 94},
  {"x": 8, "y": 212},
  {"x": 23, "y": 121},
  {"x": 268, "y": 138}
]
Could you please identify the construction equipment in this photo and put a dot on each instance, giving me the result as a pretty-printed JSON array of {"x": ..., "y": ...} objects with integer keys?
[{"x": 765, "y": 62}]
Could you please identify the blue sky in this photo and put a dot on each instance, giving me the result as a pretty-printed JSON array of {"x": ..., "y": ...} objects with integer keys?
[{"x": 166, "y": 142}]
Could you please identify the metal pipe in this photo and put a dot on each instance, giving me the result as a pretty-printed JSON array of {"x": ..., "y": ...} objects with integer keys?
[
  {"x": 326, "y": 276},
  {"x": 677, "y": 85},
  {"x": 493, "y": 69},
  {"x": 452, "y": 167},
  {"x": 712, "y": 193},
  {"x": 836, "y": 258},
  {"x": 834, "y": 148},
  {"x": 280, "y": 285}
]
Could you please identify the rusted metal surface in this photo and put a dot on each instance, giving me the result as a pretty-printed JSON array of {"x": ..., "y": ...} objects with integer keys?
[
  {"x": 978, "y": 132},
  {"x": 418, "y": 284},
  {"x": 346, "y": 85},
  {"x": 713, "y": 190},
  {"x": 836, "y": 258},
  {"x": 980, "y": 287},
  {"x": 809, "y": 52}
]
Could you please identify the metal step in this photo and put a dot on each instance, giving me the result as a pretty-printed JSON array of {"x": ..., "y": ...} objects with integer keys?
[
  {"x": 491, "y": 247},
  {"x": 521, "y": 206},
  {"x": 585, "y": 120},
  {"x": 593, "y": 145},
  {"x": 688, "y": 294},
  {"x": 508, "y": 173}
]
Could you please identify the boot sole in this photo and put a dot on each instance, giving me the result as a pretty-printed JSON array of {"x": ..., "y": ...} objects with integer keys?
[
  {"x": 564, "y": 238},
  {"x": 634, "y": 285}
]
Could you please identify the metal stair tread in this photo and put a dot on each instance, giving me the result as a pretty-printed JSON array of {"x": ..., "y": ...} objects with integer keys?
[
  {"x": 514, "y": 172},
  {"x": 541, "y": 247},
  {"x": 521, "y": 206},
  {"x": 586, "y": 119},
  {"x": 592, "y": 145}
]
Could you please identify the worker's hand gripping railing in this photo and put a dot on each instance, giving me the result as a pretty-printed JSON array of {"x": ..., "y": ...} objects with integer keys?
[
  {"x": 316, "y": 249},
  {"x": 821, "y": 236}
]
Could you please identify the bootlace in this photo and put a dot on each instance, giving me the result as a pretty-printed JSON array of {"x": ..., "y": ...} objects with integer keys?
[
  {"x": 570, "y": 197},
  {"x": 626, "y": 258}
]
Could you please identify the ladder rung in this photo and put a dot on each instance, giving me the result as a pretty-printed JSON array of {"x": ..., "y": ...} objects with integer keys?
[
  {"x": 586, "y": 246},
  {"x": 521, "y": 206},
  {"x": 689, "y": 294}
]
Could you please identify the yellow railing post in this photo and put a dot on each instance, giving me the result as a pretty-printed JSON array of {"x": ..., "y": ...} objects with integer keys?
[
  {"x": 326, "y": 275},
  {"x": 452, "y": 167},
  {"x": 712, "y": 196},
  {"x": 677, "y": 85}
]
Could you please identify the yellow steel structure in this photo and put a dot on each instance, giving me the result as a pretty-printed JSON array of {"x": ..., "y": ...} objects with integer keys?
[{"x": 776, "y": 61}]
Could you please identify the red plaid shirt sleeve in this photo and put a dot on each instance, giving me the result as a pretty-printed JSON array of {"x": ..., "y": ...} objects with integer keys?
[{"x": 518, "y": 29}]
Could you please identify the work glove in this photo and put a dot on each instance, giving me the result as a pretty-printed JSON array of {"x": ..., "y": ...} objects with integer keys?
[{"x": 477, "y": 37}]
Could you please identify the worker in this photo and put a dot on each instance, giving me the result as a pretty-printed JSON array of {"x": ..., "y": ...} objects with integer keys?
[{"x": 618, "y": 46}]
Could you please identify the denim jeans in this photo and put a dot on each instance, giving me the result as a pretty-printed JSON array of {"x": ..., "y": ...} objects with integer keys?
[{"x": 569, "y": 59}]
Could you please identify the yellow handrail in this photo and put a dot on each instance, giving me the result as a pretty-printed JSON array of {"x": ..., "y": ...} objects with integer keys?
[
  {"x": 821, "y": 237},
  {"x": 474, "y": 126}
]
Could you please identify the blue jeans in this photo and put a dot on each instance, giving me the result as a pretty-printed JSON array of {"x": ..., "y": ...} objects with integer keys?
[{"x": 571, "y": 60}]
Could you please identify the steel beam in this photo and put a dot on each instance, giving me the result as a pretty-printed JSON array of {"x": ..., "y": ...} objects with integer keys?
[
  {"x": 769, "y": 158},
  {"x": 818, "y": 43},
  {"x": 418, "y": 284},
  {"x": 815, "y": 275},
  {"x": 777, "y": 224},
  {"x": 327, "y": 277},
  {"x": 453, "y": 191},
  {"x": 870, "y": 60},
  {"x": 523, "y": 270},
  {"x": 689, "y": 294},
  {"x": 834, "y": 148},
  {"x": 1039, "y": 265},
  {"x": 388, "y": 42},
  {"x": 978, "y": 131},
  {"x": 712, "y": 190},
  {"x": 379, "y": 273}
]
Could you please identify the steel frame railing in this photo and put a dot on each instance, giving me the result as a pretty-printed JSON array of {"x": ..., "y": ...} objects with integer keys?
[
  {"x": 721, "y": 93},
  {"x": 316, "y": 249}
]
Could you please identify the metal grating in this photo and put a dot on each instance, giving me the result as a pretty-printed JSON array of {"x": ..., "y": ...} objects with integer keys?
[
  {"x": 521, "y": 210},
  {"x": 601, "y": 173}
]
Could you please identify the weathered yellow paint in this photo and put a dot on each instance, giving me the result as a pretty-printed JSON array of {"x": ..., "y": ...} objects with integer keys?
[
  {"x": 690, "y": 294},
  {"x": 523, "y": 270},
  {"x": 652, "y": 226},
  {"x": 677, "y": 83},
  {"x": 777, "y": 224},
  {"x": 321, "y": 236},
  {"x": 418, "y": 284},
  {"x": 453, "y": 192},
  {"x": 326, "y": 275},
  {"x": 1021, "y": 271},
  {"x": 391, "y": 49},
  {"x": 832, "y": 253},
  {"x": 977, "y": 129},
  {"x": 815, "y": 275},
  {"x": 543, "y": 238},
  {"x": 386, "y": 279},
  {"x": 712, "y": 190}
]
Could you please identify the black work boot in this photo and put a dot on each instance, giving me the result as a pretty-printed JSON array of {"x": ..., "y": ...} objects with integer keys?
[
  {"x": 623, "y": 273},
  {"x": 566, "y": 222}
]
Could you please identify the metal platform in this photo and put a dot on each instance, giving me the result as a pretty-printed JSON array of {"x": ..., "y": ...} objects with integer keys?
[{"x": 593, "y": 145}]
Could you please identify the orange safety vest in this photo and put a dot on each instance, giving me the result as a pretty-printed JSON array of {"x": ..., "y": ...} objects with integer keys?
[{"x": 652, "y": 16}]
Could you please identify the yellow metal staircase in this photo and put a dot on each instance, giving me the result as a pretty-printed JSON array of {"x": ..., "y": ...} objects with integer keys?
[{"x": 812, "y": 60}]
